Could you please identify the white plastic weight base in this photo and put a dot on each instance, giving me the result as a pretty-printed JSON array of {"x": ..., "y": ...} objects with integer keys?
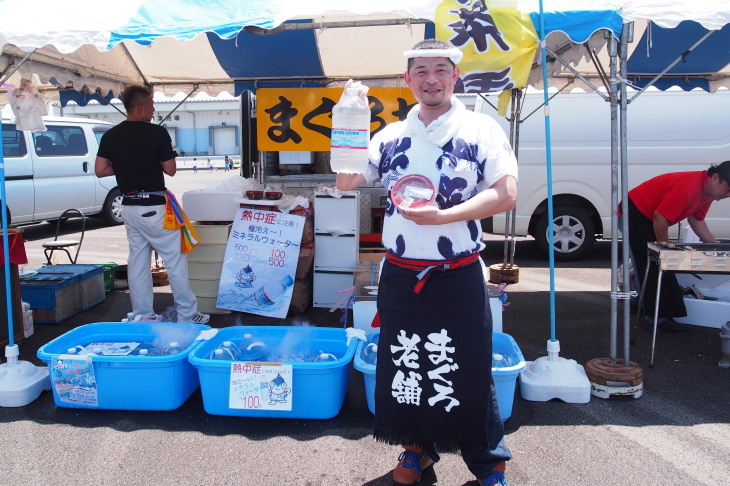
[
  {"x": 551, "y": 377},
  {"x": 21, "y": 382}
]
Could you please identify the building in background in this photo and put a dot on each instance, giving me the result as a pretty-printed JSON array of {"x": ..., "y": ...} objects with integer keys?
[{"x": 200, "y": 126}]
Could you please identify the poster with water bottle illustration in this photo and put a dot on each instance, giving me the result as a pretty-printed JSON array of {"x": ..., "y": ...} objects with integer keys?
[
  {"x": 260, "y": 262},
  {"x": 257, "y": 386},
  {"x": 74, "y": 381}
]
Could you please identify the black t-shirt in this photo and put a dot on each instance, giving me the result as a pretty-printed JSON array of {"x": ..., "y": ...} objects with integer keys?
[{"x": 136, "y": 150}]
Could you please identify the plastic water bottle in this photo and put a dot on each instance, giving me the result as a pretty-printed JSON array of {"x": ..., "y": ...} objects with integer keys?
[
  {"x": 143, "y": 352},
  {"x": 221, "y": 354},
  {"x": 325, "y": 357},
  {"x": 268, "y": 294},
  {"x": 251, "y": 350},
  {"x": 501, "y": 361},
  {"x": 76, "y": 350},
  {"x": 233, "y": 349},
  {"x": 370, "y": 354},
  {"x": 172, "y": 348},
  {"x": 350, "y": 131}
]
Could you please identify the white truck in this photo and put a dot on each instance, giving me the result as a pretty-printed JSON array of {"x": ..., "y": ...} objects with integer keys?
[{"x": 670, "y": 131}]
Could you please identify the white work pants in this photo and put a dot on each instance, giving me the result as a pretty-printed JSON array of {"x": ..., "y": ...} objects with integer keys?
[{"x": 145, "y": 233}]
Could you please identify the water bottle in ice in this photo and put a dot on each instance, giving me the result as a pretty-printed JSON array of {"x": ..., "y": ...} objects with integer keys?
[
  {"x": 172, "y": 348},
  {"x": 501, "y": 361},
  {"x": 251, "y": 350},
  {"x": 233, "y": 349},
  {"x": 221, "y": 354},
  {"x": 268, "y": 294},
  {"x": 143, "y": 352},
  {"x": 370, "y": 353},
  {"x": 95, "y": 351},
  {"x": 325, "y": 357},
  {"x": 350, "y": 130},
  {"x": 76, "y": 350}
]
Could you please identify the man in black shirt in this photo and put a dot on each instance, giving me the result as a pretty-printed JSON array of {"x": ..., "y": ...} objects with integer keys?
[{"x": 139, "y": 154}]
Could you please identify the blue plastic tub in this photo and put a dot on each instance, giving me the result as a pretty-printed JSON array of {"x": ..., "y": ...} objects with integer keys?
[
  {"x": 132, "y": 382},
  {"x": 317, "y": 388},
  {"x": 505, "y": 379},
  {"x": 367, "y": 369}
]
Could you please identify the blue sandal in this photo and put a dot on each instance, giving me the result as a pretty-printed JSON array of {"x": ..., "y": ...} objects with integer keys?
[{"x": 412, "y": 460}]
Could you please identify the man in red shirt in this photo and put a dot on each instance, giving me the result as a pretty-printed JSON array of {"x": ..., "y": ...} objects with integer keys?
[{"x": 656, "y": 205}]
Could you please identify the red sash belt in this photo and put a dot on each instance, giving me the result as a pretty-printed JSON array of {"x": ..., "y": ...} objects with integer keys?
[{"x": 426, "y": 266}]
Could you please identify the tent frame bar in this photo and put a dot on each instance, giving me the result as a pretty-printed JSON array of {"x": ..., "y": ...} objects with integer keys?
[
  {"x": 289, "y": 26},
  {"x": 576, "y": 73}
]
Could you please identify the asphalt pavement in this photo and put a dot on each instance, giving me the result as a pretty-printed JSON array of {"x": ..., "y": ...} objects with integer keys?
[{"x": 678, "y": 432}]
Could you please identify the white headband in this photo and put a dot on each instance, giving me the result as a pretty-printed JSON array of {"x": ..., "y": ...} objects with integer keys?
[{"x": 452, "y": 53}]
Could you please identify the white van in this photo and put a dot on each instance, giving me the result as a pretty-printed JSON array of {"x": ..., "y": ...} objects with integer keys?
[
  {"x": 51, "y": 171},
  {"x": 667, "y": 132}
]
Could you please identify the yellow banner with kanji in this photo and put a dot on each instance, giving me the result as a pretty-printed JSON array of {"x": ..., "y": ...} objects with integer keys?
[
  {"x": 294, "y": 119},
  {"x": 499, "y": 44}
]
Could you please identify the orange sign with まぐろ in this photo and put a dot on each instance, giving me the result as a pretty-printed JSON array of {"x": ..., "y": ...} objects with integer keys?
[{"x": 300, "y": 119}]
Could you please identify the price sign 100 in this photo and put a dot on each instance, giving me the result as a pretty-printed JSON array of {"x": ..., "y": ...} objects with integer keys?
[{"x": 277, "y": 258}]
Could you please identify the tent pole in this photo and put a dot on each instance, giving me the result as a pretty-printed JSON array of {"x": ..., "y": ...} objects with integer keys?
[
  {"x": 607, "y": 376},
  {"x": 517, "y": 101},
  {"x": 613, "y": 93},
  {"x": 514, "y": 128},
  {"x": 627, "y": 35}
]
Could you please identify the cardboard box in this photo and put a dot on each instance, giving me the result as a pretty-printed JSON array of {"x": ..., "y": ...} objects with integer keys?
[
  {"x": 304, "y": 264},
  {"x": 301, "y": 296}
]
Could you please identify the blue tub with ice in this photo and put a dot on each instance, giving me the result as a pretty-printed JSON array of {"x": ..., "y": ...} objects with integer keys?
[
  {"x": 124, "y": 366},
  {"x": 280, "y": 371},
  {"x": 504, "y": 371}
]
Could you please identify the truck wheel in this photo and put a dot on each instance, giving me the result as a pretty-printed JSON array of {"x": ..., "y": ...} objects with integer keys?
[
  {"x": 112, "y": 210},
  {"x": 573, "y": 233}
]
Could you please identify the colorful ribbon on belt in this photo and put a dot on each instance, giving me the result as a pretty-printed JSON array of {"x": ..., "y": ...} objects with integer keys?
[
  {"x": 175, "y": 218},
  {"x": 427, "y": 266}
]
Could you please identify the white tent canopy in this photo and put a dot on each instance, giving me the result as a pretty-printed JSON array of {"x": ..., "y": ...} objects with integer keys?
[{"x": 216, "y": 46}]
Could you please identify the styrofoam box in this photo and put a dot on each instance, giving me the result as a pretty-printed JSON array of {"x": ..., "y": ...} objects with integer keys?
[
  {"x": 363, "y": 312},
  {"x": 207, "y": 304},
  {"x": 212, "y": 233},
  {"x": 201, "y": 286},
  {"x": 206, "y": 252},
  {"x": 707, "y": 313},
  {"x": 335, "y": 251},
  {"x": 495, "y": 306},
  {"x": 327, "y": 286},
  {"x": 57, "y": 292},
  {"x": 134, "y": 382},
  {"x": 205, "y": 269},
  {"x": 318, "y": 389},
  {"x": 210, "y": 206},
  {"x": 505, "y": 379}
]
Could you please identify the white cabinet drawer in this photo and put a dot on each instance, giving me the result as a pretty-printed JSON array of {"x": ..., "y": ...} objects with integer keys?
[
  {"x": 341, "y": 215},
  {"x": 327, "y": 286},
  {"x": 335, "y": 251}
]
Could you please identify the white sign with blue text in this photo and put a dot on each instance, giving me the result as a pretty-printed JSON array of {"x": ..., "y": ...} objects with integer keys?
[{"x": 260, "y": 262}]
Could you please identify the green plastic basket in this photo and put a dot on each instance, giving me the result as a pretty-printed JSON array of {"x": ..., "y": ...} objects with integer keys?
[{"x": 110, "y": 273}]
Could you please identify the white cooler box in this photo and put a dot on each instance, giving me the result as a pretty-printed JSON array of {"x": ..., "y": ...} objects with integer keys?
[
  {"x": 707, "y": 313},
  {"x": 210, "y": 205}
]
